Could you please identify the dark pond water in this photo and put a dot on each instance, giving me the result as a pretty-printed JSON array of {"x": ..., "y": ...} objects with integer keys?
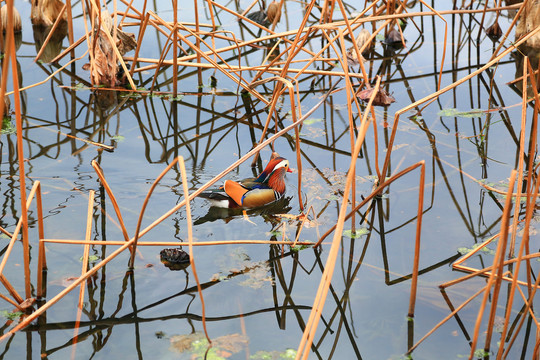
[{"x": 258, "y": 297}]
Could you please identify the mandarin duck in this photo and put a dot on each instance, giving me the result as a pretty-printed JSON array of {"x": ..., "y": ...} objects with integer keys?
[{"x": 252, "y": 192}]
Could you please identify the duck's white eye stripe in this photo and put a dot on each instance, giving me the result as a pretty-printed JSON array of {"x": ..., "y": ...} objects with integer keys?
[{"x": 281, "y": 164}]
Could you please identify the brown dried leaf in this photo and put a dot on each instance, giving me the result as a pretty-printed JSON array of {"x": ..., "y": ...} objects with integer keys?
[
  {"x": 181, "y": 343},
  {"x": 233, "y": 343},
  {"x": 382, "y": 98},
  {"x": 27, "y": 303},
  {"x": 352, "y": 59},
  {"x": 528, "y": 21},
  {"x": 126, "y": 41},
  {"x": 105, "y": 66}
]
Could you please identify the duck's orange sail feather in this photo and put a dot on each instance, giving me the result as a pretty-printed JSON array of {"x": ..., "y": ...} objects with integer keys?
[{"x": 235, "y": 190}]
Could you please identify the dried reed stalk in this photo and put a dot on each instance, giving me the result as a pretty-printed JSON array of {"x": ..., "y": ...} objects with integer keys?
[
  {"x": 84, "y": 268},
  {"x": 498, "y": 263},
  {"x": 107, "y": 188},
  {"x": 318, "y": 303},
  {"x": 185, "y": 188},
  {"x": 448, "y": 317},
  {"x": 10, "y": 57}
]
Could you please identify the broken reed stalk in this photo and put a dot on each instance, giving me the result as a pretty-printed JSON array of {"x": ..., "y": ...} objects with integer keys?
[
  {"x": 234, "y": 68},
  {"x": 5, "y": 232},
  {"x": 143, "y": 209},
  {"x": 175, "y": 46},
  {"x": 528, "y": 307},
  {"x": 164, "y": 52},
  {"x": 318, "y": 303},
  {"x": 35, "y": 190},
  {"x": 198, "y": 38},
  {"x": 214, "y": 63},
  {"x": 349, "y": 92},
  {"x": 185, "y": 188},
  {"x": 532, "y": 147},
  {"x": 498, "y": 264},
  {"x": 110, "y": 193},
  {"x": 523, "y": 250},
  {"x": 445, "y": 40},
  {"x": 11, "y": 57},
  {"x": 84, "y": 268},
  {"x": 448, "y": 317},
  {"x": 42, "y": 259},
  {"x": 521, "y": 156},
  {"x": 142, "y": 31},
  {"x": 368, "y": 198},
  {"x": 260, "y": 39},
  {"x": 64, "y": 292},
  {"x": 419, "y": 217}
]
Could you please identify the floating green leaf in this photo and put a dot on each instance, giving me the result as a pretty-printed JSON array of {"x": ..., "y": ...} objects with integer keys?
[
  {"x": 312, "y": 121},
  {"x": 8, "y": 127},
  {"x": 465, "y": 250},
  {"x": 298, "y": 248},
  {"x": 118, "y": 138},
  {"x": 275, "y": 233},
  {"x": 448, "y": 112},
  {"x": 355, "y": 234},
  {"x": 472, "y": 113},
  {"x": 11, "y": 315},
  {"x": 91, "y": 258},
  {"x": 451, "y": 112}
]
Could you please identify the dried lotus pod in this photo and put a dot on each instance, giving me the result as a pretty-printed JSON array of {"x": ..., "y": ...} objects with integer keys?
[
  {"x": 494, "y": 31},
  {"x": 273, "y": 12},
  {"x": 393, "y": 37},
  {"x": 17, "y": 24},
  {"x": 362, "y": 39},
  {"x": 45, "y": 12},
  {"x": 174, "y": 259}
]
